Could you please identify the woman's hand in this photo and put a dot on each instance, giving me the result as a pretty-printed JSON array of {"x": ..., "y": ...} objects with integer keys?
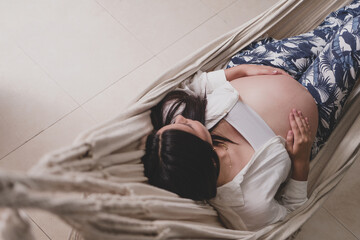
[
  {"x": 244, "y": 70},
  {"x": 298, "y": 145}
]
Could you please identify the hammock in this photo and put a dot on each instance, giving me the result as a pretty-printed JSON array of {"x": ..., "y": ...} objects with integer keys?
[{"x": 104, "y": 162}]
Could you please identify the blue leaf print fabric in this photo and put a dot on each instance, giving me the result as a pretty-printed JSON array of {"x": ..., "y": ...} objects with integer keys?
[{"x": 325, "y": 61}]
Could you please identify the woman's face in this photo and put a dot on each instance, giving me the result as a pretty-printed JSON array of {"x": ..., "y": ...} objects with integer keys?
[{"x": 190, "y": 126}]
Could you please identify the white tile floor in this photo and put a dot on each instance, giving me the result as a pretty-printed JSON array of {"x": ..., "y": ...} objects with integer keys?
[{"x": 67, "y": 65}]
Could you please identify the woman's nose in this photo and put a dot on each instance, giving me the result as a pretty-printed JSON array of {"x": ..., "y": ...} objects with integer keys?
[{"x": 180, "y": 119}]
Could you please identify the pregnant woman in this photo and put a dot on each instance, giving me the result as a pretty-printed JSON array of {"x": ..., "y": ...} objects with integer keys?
[{"x": 234, "y": 136}]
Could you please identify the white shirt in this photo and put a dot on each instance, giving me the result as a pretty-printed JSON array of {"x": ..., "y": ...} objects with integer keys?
[{"x": 248, "y": 201}]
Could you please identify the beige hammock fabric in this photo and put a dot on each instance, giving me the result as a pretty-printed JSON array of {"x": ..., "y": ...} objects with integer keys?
[{"x": 104, "y": 162}]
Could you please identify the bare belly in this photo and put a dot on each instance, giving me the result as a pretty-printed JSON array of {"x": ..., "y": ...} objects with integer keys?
[{"x": 273, "y": 97}]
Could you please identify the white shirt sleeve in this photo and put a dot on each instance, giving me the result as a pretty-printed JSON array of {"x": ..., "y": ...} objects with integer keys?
[
  {"x": 271, "y": 211},
  {"x": 294, "y": 195}
]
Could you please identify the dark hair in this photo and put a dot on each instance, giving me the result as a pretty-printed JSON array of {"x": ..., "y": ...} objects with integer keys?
[
  {"x": 181, "y": 163},
  {"x": 194, "y": 108}
]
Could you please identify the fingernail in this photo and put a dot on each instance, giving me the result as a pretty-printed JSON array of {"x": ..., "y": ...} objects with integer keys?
[{"x": 274, "y": 71}]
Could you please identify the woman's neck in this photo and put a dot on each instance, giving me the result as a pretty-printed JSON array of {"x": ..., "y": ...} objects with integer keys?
[{"x": 232, "y": 156}]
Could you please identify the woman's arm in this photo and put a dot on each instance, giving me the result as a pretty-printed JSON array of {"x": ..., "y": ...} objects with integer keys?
[
  {"x": 298, "y": 145},
  {"x": 244, "y": 70},
  {"x": 209, "y": 81}
]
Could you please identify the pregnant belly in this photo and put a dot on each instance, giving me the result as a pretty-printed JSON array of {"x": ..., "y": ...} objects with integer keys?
[{"x": 273, "y": 97}]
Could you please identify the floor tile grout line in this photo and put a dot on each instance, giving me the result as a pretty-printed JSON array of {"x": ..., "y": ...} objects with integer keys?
[
  {"x": 75, "y": 101},
  {"x": 192, "y": 30},
  {"x": 81, "y": 104},
  {"x": 154, "y": 55},
  {"x": 46, "y": 73},
  {"x": 76, "y": 108},
  {"x": 162, "y": 51},
  {"x": 91, "y": 116},
  {"x": 95, "y": 120},
  {"x": 339, "y": 221},
  {"x": 205, "y": 21},
  {"x": 78, "y": 104},
  {"x": 226, "y": 22},
  {"x": 234, "y": 1},
  {"x": 171, "y": 44},
  {"x": 116, "y": 81},
  {"x": 28, "y": 215},
  {"x": 122, "y": 25},
  {"x": 186, "y": 34},
  {"x": 29, "y": 139}
]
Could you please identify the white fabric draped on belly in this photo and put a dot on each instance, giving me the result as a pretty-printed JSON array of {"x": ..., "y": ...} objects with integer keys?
[{"x": 249, "y": 124}]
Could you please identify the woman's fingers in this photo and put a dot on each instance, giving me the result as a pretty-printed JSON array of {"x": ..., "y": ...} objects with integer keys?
[
  {"x": 276, "y": 71},
  {"x": 300, "y": 122},
  {"x": 279, "y": 71},
  {"x": 255, "y": 69},
  {"x": 308, "y": 125},
  {"x": 289, "y": 141},
  {"x": 300, "y": 127},
  {"x": 302, "y": 119},
  {"x": 305, "y": 123},
  {"x": 267, "y": 70},
  {"x": 294, "y": 126}
]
